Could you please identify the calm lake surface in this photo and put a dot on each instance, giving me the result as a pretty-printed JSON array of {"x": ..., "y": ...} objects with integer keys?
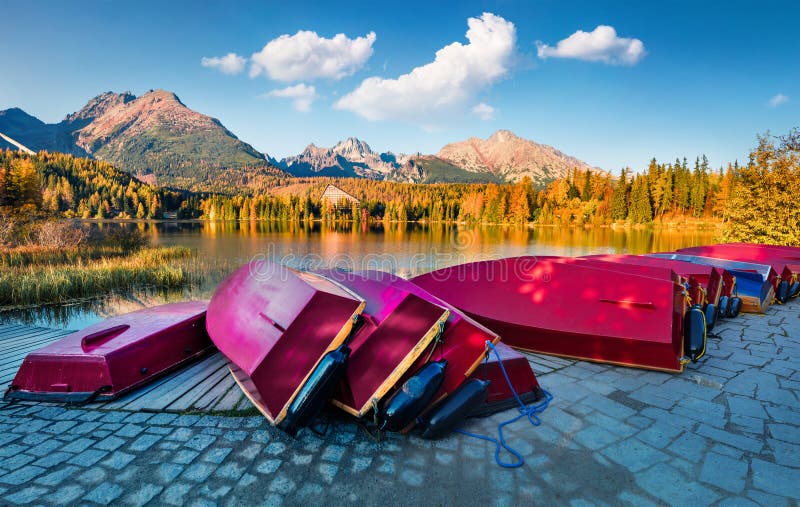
[{"x": 405, "y": 249}]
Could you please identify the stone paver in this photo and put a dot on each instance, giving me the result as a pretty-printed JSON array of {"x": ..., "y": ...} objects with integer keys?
[{"x": 725, "y": 432}]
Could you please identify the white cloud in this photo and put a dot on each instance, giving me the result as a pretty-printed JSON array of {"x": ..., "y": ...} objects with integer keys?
[
  {"x": 302, "y": 96},
  {"x": 778, "y": 99},
  {"x": 228, "y": 64},
  {"x": 456, "y": 75},
  {"x": 305, "y": 56},
  {"x": 484, "y": 111},
  {"x": 600, "y": 45}
]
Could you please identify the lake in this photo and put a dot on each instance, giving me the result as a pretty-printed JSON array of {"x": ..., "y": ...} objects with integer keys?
[{"x": 405, "y": 249}]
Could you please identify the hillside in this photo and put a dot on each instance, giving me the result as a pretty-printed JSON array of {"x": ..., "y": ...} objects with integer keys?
[
  {"x": 152, "y": 134},
  {"x": 431, "y": 169},
  {"x": 510, "y": 158}
]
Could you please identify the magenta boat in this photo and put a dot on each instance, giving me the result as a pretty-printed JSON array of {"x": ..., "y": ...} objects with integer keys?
[
  {"x": 576, "y": 310},
  {"x": 520, "y": 374},
  {"x": 708, "y": 286},
  {"x": 284, "y": 331},
  {"x": 715, "y": 282},
  {"x": 396, "y": 329},
  {"x": 462, "y": 342},
  {"x": 115, "y": 356}
]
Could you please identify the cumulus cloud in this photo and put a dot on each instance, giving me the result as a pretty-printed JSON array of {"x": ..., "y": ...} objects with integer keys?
[
  {"x": 228, "y": 64},
  {"x": 778, "y": 99},
  {"x": 458, "y": 72},
  {"x": 483, "y": 111},
  {"x": 302, "y": 96},
  {"x": 600, "y": 45},
  {"x": 305, "y": 56}
]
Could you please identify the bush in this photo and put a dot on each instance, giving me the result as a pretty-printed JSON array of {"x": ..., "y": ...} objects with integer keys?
[
  {"x": 59, "y": 234},
  {"x": 127, "y": 238},
  {"x": 7, "y": 229}
]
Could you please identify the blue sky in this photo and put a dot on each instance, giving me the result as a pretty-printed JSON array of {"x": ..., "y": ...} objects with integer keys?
[{"x": 671, "y": 79}]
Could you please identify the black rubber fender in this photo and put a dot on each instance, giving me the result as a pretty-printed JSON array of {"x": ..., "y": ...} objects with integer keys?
[
  {"x": 782, "y": 293},
  {"x": 454, "y": 410},
  {"x": 694, "y": 333},
  {"x": 724, "y": 307},
  {"x": 410, "y": 400},
  {"x": 711, "y": 316},
  {"x": 317, "y": 391},
  {"x": 736, "y": 306}
]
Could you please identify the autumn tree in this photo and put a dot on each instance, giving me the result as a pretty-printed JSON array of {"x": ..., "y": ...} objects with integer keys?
[
  {"x": 763, "y": 205},
  {"x": 619, "y": 199}
]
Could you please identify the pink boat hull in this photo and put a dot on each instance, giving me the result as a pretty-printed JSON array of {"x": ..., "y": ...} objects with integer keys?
[
  {"x": 275, "y": 324},
  {"x": 463, "y": 340},
  {"x": 115, "y": 356},
  {"x": 397, "y": 329}
]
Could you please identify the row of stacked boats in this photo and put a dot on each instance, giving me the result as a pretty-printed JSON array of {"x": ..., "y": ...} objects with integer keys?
[{"x": 422, "y": 354}]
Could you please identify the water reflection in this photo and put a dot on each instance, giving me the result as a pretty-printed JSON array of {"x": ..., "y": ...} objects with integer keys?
[{"x": 406, "y": 249}]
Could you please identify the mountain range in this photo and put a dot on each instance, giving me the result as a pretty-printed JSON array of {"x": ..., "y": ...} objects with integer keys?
[{"x": 159, "y": 139}]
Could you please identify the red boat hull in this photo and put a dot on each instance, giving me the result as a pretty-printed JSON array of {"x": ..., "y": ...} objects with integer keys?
[
  {"x": 275, "y": 324},
  {"x": 570, "y": 309},
  {"x": 520, "y": 374},
  {"x": 397, "y": 328},
  {"x": 462, "y": 342},
  {"x": 711, "y": 279},
  {"x": 115, "y": 356}
]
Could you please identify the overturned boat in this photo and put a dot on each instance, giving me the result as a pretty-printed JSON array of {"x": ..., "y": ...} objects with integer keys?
[
  {"x": 754, "y": 283},
  {"x": 708, "y": 286},
  {"x": 284, "y": 331},
  {"x": 575, "y": 310},
  {"x": 114, "y": 357},
  {"x": 396, "y": 329},
  {"x": 500, "y": 394},
  {"x": 460, "y": 342},
  {"x": 784, "y": 260}
]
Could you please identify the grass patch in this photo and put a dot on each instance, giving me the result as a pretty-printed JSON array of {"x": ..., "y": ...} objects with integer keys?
[{"x": 40, "y": 276}]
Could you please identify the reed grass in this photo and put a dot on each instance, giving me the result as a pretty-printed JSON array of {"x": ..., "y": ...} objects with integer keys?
[{"x": 35, "y": 276}]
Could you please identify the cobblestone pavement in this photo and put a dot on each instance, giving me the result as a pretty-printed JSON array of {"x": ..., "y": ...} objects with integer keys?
[{"x": 724, "y": 432}]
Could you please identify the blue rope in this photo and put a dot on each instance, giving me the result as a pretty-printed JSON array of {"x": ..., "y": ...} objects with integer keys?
[{"x": 529, "y": 411}]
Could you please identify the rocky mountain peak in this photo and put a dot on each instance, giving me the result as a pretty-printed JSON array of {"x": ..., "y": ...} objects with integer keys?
[
  {"x": 352, "y": 147},
  {"x": 503, "y": 136},
  {"x": 99, "y": 105},
  {"x": 511, "y": 158}
]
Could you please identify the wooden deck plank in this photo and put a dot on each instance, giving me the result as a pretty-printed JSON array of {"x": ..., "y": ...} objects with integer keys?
[
  {"x": 22, "y": 336},
  {"x": 212, "y": 397},
  {"x": 166, "y": 393},
  {"x": 245, "y": 404},
  {"x": 188, "y": 400},
  {"x": 21, "y": 328},
  {"x": 18, "y": 353},
  {"x": 188, "y": 391},
  {"x": 129, "y": 398},
  {"x": 10, "y": 329},
  {"x": 37, "y": 340},
  {"x": 231, "y": 400},
  {"x": 140, "y": 399}
]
